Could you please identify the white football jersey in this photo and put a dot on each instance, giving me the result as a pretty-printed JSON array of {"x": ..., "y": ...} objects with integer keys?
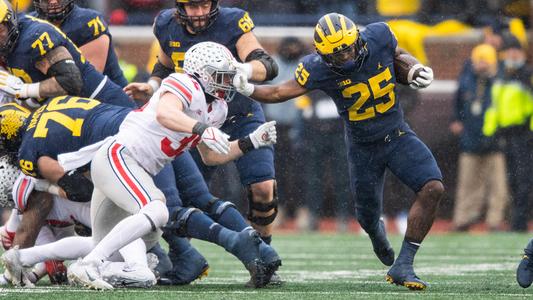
[{"x": 151, "y": 144}]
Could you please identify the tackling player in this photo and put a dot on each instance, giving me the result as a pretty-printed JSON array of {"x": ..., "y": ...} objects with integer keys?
[
  {"x": 359, "y": 71},
  {"x": 195, "y": 21}
]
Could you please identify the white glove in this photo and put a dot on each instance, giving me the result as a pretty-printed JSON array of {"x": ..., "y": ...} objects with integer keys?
[
  {"x": 7, "y": 238},
  {"x": 15, "y": 87},
  {"x": 44, "y": 185},
  {"x": 216, "y": 140},
  {"x": 241, "y": 84},
  {"x": 423, "y": 79},
  {"x": 264, "y": 135},
  {"x": 244, "y": 69}
]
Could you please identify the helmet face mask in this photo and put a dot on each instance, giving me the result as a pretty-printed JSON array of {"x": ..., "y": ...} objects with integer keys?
[
  {"x": 8, "y": 175},
  {"x": 8, "y": 19},
  {"x": 55, "y": 12},
  {"x": 338, "y": 42},
  {"x": 196, "y": 23},
  {"x": 212, "y": 64}
]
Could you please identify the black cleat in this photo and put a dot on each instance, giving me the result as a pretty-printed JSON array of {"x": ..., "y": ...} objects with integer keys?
[
  {"x": 524, "y": 272},
  {"x": 404, "y": 274}
]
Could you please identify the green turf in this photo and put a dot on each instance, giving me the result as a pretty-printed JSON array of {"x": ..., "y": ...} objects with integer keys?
[{"x": 343, "y": 267}]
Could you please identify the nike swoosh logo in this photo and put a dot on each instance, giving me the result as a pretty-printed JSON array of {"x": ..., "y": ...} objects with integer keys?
[{"x": 89, "y": 276}]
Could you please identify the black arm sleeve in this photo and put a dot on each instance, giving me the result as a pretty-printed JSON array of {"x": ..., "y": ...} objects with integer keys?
[
  {"x": 77, "y": 187},
  {"x": 270, "y": 64},
  {"x": 67, "y": 75},
  {"x": 161, "y": 70}
]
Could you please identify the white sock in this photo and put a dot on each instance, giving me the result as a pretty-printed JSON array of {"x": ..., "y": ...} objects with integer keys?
[
  {"x": 13, "y": 222},
  {"x": 152, "y": 216},
  {"x": 135, "y": 253},
  {"x": 69, "y": 248}
]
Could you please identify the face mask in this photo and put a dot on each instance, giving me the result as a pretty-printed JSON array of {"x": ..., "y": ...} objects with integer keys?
[{"x": 514, "y": 64}]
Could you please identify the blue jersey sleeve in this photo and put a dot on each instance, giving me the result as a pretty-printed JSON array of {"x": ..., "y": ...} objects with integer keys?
[
  {"x": 386, "y": 36},
  {"x": 162, "y": 26},
  {"x": 43, "y": 38},
  {"x": 307, "y": 73},
  {"x": 28, "y": 156},
  {"x": 88, "y": 27}
]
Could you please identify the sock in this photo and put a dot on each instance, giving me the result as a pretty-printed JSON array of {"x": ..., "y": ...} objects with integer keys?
[
  {"x": 13, "y": 222},
  {"x": 134, "y": 253},
  {"x": 267, "y": 239},
  {"x": 69, "y": 248},
  {"x": 232, "y": 219},
  {"x": 126, "y": 231},
  {"x": 408, "y": 252},
  {"x": 529, "y": 248},
  {"x": 202, "y": 227}
]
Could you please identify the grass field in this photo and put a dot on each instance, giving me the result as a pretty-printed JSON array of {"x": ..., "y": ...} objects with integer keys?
[{"x": 319, "y": 266}]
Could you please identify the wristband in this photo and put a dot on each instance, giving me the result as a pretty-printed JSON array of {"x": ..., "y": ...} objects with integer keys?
[
  {"x": 245, "y": 144},
  {"x": 199, "y": 128},
  {"x": 32, "y": 90},
  {"x": 154, "y": 84}
]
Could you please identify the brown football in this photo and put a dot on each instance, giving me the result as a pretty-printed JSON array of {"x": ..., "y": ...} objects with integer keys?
[{"x": 402, "y": 64}]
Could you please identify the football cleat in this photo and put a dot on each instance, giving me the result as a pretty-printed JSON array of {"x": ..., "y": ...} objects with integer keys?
[
  {"x": 120, "y": 274},
  {"x": 15, "y": 270},
  {"x": 246, "y": 249},
  {"x": 188, "y": 264},
  {"x": 524, "y": 272},
  {"x": 57, "y": 272},
  {"x": 404, "y": 274},
  {"x": 381, "y": 245},
  {"x": 272, "y": 261},
  {"x": 87, "y": 274}
]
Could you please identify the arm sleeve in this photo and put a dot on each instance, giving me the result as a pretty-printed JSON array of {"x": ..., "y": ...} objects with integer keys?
[
  {"x": 45, "y": 39},
  {"x": 92, "y": 26},
  {"x": 21, "y": 191},
  {"x": 305, "y": 74},
  {"x": 180, "y": 87}
]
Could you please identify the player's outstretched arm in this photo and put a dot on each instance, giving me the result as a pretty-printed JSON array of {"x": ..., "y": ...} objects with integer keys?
[
  {"x": 38, "y": 206},
  {"x": 258, "y": 65},
  {"x": 142, "y": 91},
  {"x": 264, "y": 136},
  {"x": 269, "y": 93}
]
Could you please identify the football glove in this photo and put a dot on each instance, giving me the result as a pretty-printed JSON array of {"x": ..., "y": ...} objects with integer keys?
[
  {"x": 15, "y": 87},
  {"x": 216, "y": 140},
  {"x": 245, "y": 69},
  {"x": 264, "y": 135},
  {"x": 241, "y": 84},
  {"x": 420, "y": 77}
]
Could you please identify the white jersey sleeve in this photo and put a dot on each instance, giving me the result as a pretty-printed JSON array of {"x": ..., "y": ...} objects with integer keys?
[
  {"x": 182, "y": 86},
  {"x": 22, "y": 189}
]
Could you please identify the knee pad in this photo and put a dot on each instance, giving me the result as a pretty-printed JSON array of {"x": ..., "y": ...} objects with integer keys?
[
  {"x": 156, "y": 212},
  {"x": 262, "y": 207},
  {"x": 216, "y": 207},
  {"x": 178, "y": 220}
]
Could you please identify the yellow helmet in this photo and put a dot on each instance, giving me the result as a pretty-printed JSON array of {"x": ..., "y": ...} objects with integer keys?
[
  {"x": 8, "y": 17},
  {"x": 338, "y": 41},
  {"x": 12, "y": 120},
  {"x": 204, "y": 21}
]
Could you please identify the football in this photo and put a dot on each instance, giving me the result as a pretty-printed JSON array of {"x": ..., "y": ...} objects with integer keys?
[{"x": 402, "y": 64}]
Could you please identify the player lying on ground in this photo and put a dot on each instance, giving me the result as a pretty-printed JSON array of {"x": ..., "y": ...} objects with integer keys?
[{"x": 359, "y": 71}]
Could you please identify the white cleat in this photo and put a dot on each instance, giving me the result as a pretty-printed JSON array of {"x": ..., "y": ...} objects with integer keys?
[
  {"x": 88, "y": 275},
  {"x": 120, "y": 274},
  {"x": 15, "y": 271}
]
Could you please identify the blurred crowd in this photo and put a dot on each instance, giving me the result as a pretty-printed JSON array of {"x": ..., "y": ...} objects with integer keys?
[{"x": 492, "y": 119}]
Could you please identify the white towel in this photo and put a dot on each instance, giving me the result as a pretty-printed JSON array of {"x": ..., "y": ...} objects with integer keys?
[{"x": 73, "y": 160}]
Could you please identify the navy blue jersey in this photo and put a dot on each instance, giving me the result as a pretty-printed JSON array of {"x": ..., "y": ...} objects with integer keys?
[
  {"x": 365, "y": 99},
  {"x": 66, "y": 124},
  {"x": 36, "y": 39},
  {"x": 229, "y": 26},
  {"x": 83, "y": 25}
]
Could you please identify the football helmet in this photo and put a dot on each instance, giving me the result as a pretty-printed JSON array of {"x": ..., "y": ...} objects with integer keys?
[
  {"x": 190, "y": 21},
  {"x": 53, "y": 12},
  {"x": 338, "y": 42},
  {"x": 8, "y": 175},
  {"x": 8, "y": 18},
  {"x": 213, "y": 65},
  {"x": 12, "y": 122}
]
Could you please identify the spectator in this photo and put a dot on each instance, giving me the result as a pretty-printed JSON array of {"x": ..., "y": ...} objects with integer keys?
[
  {"x": 510, "y": 117},
  {"x": 288, "y": 118},
  {"x": 481, "y": 162},
  {"x": 136, "y": 12}
]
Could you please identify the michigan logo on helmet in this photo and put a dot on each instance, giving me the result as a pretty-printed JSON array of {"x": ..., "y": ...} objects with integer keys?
[
  {"x": 338, "y": 41},
  {"x": 197, "y": 23},
  {"x": 8, "y": 18},
  {"x": 212, "y": 64},
  {"x": 8, "y": 175},
  {"x": 12, "y": 119},
  {"x": 54, "y": 11}
]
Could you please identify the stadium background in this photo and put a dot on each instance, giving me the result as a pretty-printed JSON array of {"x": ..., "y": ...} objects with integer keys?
[{"x": 440, "y": 33}]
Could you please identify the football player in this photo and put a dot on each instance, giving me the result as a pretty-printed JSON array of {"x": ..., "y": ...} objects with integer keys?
[
  {"x": 185, "y": 112},
  {"x": 195, "y": 21},
  {"x": 45, "y": 63},
  {"x": 88, "y": 30},
  {"x": 358, "y": 71}
]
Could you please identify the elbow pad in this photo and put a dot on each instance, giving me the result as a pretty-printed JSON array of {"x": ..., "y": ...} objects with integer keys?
[
  {"x": 67, "y": 75},
  {"x": 270, "y": 64},
  {"x": 77, "y": 187},
  {"x": 161, "y": 70}
]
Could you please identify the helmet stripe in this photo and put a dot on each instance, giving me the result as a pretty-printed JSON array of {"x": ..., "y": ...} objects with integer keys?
[
  {"x": 4, "y": 10},
  {"x": 331, "y": 27}
]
